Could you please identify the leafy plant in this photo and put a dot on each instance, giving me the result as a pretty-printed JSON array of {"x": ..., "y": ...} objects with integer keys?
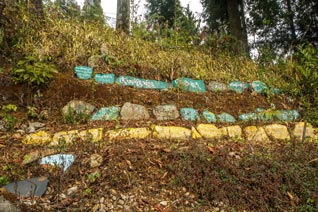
[
  {"x": 33, "y": 72},
  {"x": 9, "y": 119}
]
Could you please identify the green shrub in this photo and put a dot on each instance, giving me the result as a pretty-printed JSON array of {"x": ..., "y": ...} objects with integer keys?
[{"x": 33, "y": 72}]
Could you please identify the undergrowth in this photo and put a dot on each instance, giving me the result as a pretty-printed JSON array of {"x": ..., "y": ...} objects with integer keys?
[{"x": 281, "y": 178}]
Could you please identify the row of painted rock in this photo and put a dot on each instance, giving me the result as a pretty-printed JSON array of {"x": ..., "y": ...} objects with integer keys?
[
  {"x": 184, "y": 84},
  {"x": 131, "y": 111},
  {"x": 256, "y": 134}
]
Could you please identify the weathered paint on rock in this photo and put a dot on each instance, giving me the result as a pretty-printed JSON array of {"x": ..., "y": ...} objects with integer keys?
[
  {"x": 189, "y": 114},
  {"x": 83, "y": 72},
  {"x": 225, "y": 117},
  {"x": 238, "y": 86},
  {"x": 217, "y": 86},
  {"x": 129, "y": 133},
  {"x": 166, "y": 112},
  {"x": 172, "y": 132},
  {"x": 259, "y": 87},
  {"x": 209, "y": 116},
  {"x": 106, "y": 113},
  {"x": 61, "y": 160},
  {"x": 105, "y": 78},
  {"x": 38, "y": 138},
  {"x": 277, "y": 131},
  {"x": 187, "y": 84},
  {"x": 142, "y": 83},
  {"x": 133, "y": 112},
  {"x": 77, "y": 107},
  {"x": 64, "y": 137},
  {"x": 299, "y": 130},
  {"x": 248, "y": 117},
  {"x": 92, "y": 135},
  {"x": 287, "y": 115},
  {"x": 234, "y": 131},
  {"x": 256, "y": 134},
  {"x": 210, "y": 131}
]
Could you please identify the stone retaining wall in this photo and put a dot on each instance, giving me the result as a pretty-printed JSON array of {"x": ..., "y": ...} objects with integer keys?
[{"x": 253, "y": 134}]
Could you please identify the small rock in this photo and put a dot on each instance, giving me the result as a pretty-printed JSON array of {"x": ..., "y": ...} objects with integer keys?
[
  {"x": 209, "y": 116},
  {"x": 37, "y": 138},
  {"x": 189, "y": 114},
  {"x": 225, "y": 117},
  {"x": 164, "y": 203},
  {"x": 35, "y": 126},
  {"x": 7, "y": 206},
  {"x": 121, "y": 202},
  {"x": 72, "y": 190},
  {"x": 133, "y": 112},
  {"x": 187, "y": 84},
  {"x": 217, "y": 86},
  {"x": 96, "y": 160},
  {"x": 166, "y": 132},
  {"x": 238, "y": 86},
  {"x": 113, "y": 192},
  {"x": 277, "y": 131}
]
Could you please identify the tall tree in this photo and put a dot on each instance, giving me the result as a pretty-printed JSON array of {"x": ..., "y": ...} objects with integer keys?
[
  {"x": 227, "y": 17},
  {"x": 92, "y": 10},
  {"x": 36, "y": 8},
  {"x": 123, "y": 15}
]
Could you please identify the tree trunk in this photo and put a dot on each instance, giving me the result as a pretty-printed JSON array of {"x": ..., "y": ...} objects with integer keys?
[
  {"x": 123, "y": 15},
  {"x": 291, "y": 23},
  {"x": 235, "y": 22},
  {"x": 36, "y": 8}
]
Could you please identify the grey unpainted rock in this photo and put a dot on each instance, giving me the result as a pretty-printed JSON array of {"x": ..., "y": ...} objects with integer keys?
[
  {"x": 217, "y": 86},
  {"x": 131, "y": 111},
  {"x": 34, "y": 187},
  {"x": 78, "y": 107},
  {"x": 166, "y": 112}
]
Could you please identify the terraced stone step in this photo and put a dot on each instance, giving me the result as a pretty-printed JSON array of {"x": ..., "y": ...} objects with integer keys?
[{"x": 254, "y": 134}]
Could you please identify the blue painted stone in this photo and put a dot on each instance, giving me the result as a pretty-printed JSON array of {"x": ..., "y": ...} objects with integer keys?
[
  {"x": 209, "y": 116},
  {"x": 105, "y": 78},
  {"x": 83, "y": 72},
  {"x": 187, "y": 84},
  {"x": 34, "y": 187},
  {"x": 248, "y": 117},
  {"x": 106, "y": 113},
  {"x": 189, "y": 114},
  {"x": 61, "y": 160},
  {"x": 142, "y": 83},
  {"x": 225, "y": 117},
  {"x": 287, "y": 115},
  {"x": 259, "y": 87},
  {"x": 266, "y": 115},
  {"x": 238, "y": 86}
]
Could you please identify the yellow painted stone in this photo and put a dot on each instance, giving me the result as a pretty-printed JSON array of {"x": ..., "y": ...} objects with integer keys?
[
  {"x": 64, "y": 137},
  {"x": 37, "y": 138},
  {"x": 210, "y": 131},
  {"x": 277, "y": 131},
  {"x": 93, "y": 135},
  {"x": 195, "y": 133},
  {"x": 172, "y": 132},
  {"x": 234, "y": 131},
  {"x": 129, "y": 133},
  {"x": 299, "y": 129},
  {"x": 256, "y": 134}
]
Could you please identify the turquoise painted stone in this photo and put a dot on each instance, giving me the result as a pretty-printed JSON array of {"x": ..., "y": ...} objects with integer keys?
[
  {"x": 248, "y": 117},
  {"x": 209, "y": 116},
  {"x": 266, "y": 115},
  {"x": 142, "y": 83},
  {"x": 287, "y": 115},
  {"x": 61, "y": 160},
  {"x": 34, "y": 187},
  {"x": 83, "y": 72},
  {"x": 238, "y": 86},
  {"x": 225, "y": 117},
  {"x": 105, "y": 78},
  {"x": 106, "y": 113},
  {"x": 259, "y": 87},
  {"x": 189, "y": 114},
  {"x": 187, "y": 84}
]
